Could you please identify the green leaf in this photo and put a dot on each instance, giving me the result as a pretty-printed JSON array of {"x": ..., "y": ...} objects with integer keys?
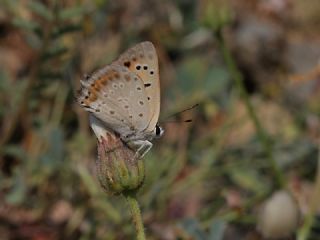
[
  {"x": 216, "y": 230},
  {"x": 40, "y": 9},
  {"x": 47, "y": 75},
  {"x": 27, "y": 25},
  {"x": 70, "y": 13},
  {"x": 190, "y": 73},
  {"x": 34, "y": 40},
  {"x": 53, "y": 157},
  {"x": 70, "y": 28},
  {"x": 216, "y": 81},
  {"x": 248, "y": 178},
  {"x": 15, "y": 151},
  {"x": 54, "y": 52},
  {"x": 88, "y": 180},
  {"x": 199, "y": 80},
  {"x": 17, "y": 193},
  {"x": 192, "y": 226},
  {"x": 103, "y": 205}
]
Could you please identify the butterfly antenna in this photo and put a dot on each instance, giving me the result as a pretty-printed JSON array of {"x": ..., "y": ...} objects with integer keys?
[
  {"x": 177, "y": 121},
  {"x": 187, "y": 109},
  {"x": 178, "y": 113}
]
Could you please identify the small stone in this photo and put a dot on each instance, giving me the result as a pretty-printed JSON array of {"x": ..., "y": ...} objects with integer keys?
[{"x": 279, "y": 216}]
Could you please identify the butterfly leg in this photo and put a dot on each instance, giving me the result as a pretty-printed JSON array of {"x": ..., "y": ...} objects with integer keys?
[{"x": 141, "y": 146}]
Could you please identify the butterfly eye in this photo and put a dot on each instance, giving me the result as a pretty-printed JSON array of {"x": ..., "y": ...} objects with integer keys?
[{"x": 159, "y": 131}]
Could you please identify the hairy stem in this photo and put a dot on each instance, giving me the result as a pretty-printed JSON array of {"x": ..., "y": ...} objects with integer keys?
[{"x": 136, "y": 214}]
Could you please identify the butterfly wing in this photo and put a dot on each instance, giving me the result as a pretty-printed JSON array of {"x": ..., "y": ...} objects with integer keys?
[
  {"x": 142, "y": 59},
  {"x": 116, "y": 96}
]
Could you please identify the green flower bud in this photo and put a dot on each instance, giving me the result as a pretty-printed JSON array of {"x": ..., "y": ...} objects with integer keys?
[
  {"x": 118, "y": 167},
  {"x": 215, "y": 14}
]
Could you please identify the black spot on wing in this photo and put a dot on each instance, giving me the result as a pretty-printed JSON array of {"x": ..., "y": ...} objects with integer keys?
[{"x": 127, "y": 64}]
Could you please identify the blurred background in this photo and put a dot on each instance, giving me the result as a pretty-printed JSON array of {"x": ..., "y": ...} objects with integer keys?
[{"x": 245, "y": 168}]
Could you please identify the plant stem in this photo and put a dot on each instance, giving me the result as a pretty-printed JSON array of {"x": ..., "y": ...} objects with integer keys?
[
  {"x": 13, "y": 118},
  {"x": 262, "y": 135},
  {"x": 305, "y": 231},
  {"x": 136, "y": 214}
]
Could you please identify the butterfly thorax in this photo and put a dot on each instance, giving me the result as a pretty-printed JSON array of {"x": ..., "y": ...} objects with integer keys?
[{"x": 145, "y": 135}]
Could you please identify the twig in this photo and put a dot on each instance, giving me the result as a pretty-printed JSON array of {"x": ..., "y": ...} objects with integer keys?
[
  {"x": 14, "y": 117},
  {"x": 262, "y": 135}
]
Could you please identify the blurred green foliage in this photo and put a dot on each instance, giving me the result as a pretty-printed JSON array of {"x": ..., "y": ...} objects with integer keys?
[{"x": 202, "y": 178}]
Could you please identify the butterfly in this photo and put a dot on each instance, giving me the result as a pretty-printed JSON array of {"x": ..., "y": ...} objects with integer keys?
[{"x": 124, "y": 97}]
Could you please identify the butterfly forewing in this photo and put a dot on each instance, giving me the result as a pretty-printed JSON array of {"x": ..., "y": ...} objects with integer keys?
[
  {"x": 118, "y": 97},
  {"x": 142, "y": 60}
]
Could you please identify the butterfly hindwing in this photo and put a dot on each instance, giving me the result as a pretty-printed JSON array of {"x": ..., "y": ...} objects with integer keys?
[{"x": 116, "y": 96}]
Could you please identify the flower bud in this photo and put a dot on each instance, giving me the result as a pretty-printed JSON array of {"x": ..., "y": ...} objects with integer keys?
[
  {"x": 215, "y": 14},
  {"x": 119, "y": 169}
]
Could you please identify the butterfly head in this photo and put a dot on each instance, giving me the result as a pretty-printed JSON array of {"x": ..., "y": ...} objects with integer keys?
[{"x": 158, "y": 131}]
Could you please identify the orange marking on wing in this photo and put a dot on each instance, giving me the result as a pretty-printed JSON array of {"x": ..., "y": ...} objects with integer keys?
[
  {"x": 103, "y": 80},
  {"x": 99, "y": 83},
  {"x": 132, "y": 67},
  {"x": 116, "y": 75},
  {"x": 92, "y": 97},
  {"x": 142, "y": 75},
  {"x": 97, "y": 86},
  {"x": 127, "y": 77}
]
